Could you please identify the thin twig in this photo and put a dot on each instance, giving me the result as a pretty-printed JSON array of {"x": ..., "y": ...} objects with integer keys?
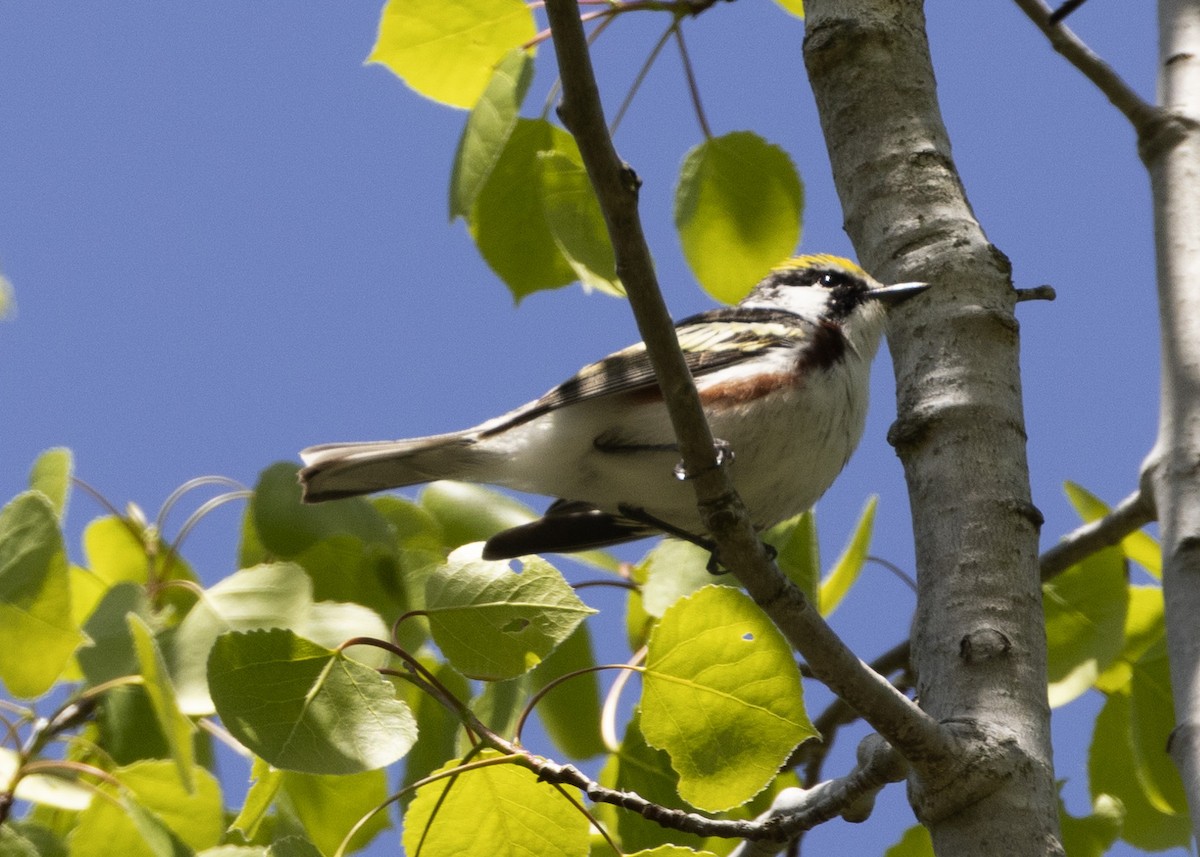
[
  {"x": 1131, "y": 514},
  {"x": 693, "y": 87},
  {"x": 1141, "y": 114}
]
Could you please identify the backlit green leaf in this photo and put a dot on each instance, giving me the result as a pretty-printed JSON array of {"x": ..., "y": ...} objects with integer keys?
[
  {"x": 51, "y": 474},
  {"x": 570, "y": 712},
  {"x": 156, "y": 814},
  {"x": 1112, "y": 770},
  {"x": 177, "y": 729},
  {"x": 488, "y": 127},
  {"x": 328, "y": 806},
  {"x": 721, "y": 694},
  {"x": 674, "y": 569},
  {"x": 576, "y": 223},
  {"x": 737, "y": 209},
  {"x": 496, "y": 811},
  {"x": 846, "y": 570},
  {"x": 1092, "y": 835},
  {"x": 798, "y": 553},
  {"x": 278, "y": 595},
  {"x": 1085, "y": 611},
  {"x": 471, "y": 513},
  {"x": 286, "y": 527},
  {"x": 915, "y": 842},
  {"x": 638, "y": 767},
  {"x": 447, "y": 51},
  {"x": 1144, "y": 626},
  {"x": 1151, "y": 721},
  {"x": 508, "y": 221},
  {"x": 37, "y": 632},
  {"x": 493, "y": 623},
  {"x": 303, "y": 707}
]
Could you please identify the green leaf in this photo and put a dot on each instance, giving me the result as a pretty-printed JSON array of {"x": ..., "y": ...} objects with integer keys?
[
  {"x": 328, "y": 806},
  {"x": 915, "y": 842},
  {"x": 577, "y": 224},
  {"x": 114, "y": 554},
  {"x": 286, "y": 527},
  {"x": 447, "y": 51},
  {"x": 37, "y": 633},
  {"x": 1092, "y": 835},
  {"x": 1085, "y": 611},
  {"x": 672, "y": 851},
  {"x": 51, "y": 475},
  {"x": 487, "y": 130},
  {"x": 737, "y": 209},
  {"x": 508, "y": 222},
  {"x": 493, "y": 623},
  {"x": 1113, "y": 770},
  {"x": 26, "y": 839},
  {"x": 1144, "y": 626},
  {"x": 1138, "y": 546},
  {"x": 570, "y": 712},
  {"x": 265, "y": 783},
  {"x": 638, "y": 767},
  {"x": 846, "y": 570},
  {"x": 110, "y": 653},
  {"x": 177, "y": 729},
  {"x": 1151, "y": 722},
  {"x": 50, "y": 790},
  {"x": 129, "y": 728},
  {"x": 674, "y": 569},
  {"x": 293, "y": 846},
  {"x": 437, "y": 727},
  {"x": 471, "y": 513},
  {"x": 267, "y": 596},
  {"x": 303, "y": 707},
  {"x": 798, "y": 553},
  {"x": 156, "y": 815},
  {"x": 499, "y": 705},
  {"x": 496, "y": 811},
  {"x": 8, "y": 299},
  {"x": 722, "y": 695}
]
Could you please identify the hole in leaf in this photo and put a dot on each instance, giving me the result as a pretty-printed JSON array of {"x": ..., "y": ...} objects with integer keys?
[
  {"x": 748, "y": 637},
  {"x": 515, "y": 626}
]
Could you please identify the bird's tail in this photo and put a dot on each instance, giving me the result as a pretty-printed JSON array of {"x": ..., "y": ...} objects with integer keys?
[{"x": 338, "y": 470}]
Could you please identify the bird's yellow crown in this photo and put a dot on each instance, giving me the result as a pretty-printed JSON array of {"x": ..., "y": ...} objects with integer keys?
[{"x": 820, "y": 260}]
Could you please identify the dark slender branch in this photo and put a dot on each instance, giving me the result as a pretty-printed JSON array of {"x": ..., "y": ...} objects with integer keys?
[
  {"x": 891, "y": 713},
  {"x": 1059, "y": 14},
  {"x": 693, "y": 87},
  {"x": 1129, "y": 515}
]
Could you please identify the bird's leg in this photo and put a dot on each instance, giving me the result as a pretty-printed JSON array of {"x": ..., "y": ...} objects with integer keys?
[
  {"x": 637, "y": 513},
  {"x": 714, "y": 567}
]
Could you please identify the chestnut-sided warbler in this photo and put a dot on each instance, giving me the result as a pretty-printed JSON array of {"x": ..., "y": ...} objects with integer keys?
[{"x": 783, "y": 378}]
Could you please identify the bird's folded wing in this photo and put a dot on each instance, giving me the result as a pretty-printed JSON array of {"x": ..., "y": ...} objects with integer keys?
[{"x": 710, "y": 341}]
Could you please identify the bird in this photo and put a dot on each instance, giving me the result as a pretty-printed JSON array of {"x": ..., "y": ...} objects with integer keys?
[{"x": 782, "y": 375}]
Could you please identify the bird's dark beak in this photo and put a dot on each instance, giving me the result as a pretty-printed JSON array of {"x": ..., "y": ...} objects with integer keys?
[{"x": 892, "y": 295}]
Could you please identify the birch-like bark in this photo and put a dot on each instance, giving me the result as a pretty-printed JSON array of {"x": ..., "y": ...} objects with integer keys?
[
  {"x": 1172, "y": 473},
  {"x": 978, "y": 635}
]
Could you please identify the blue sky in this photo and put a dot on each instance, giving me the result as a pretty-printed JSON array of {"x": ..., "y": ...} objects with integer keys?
[{"x": 228, "y": 240}]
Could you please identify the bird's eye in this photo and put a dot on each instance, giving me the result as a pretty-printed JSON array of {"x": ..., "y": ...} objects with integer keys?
[{"x": 827, "y": 280}]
